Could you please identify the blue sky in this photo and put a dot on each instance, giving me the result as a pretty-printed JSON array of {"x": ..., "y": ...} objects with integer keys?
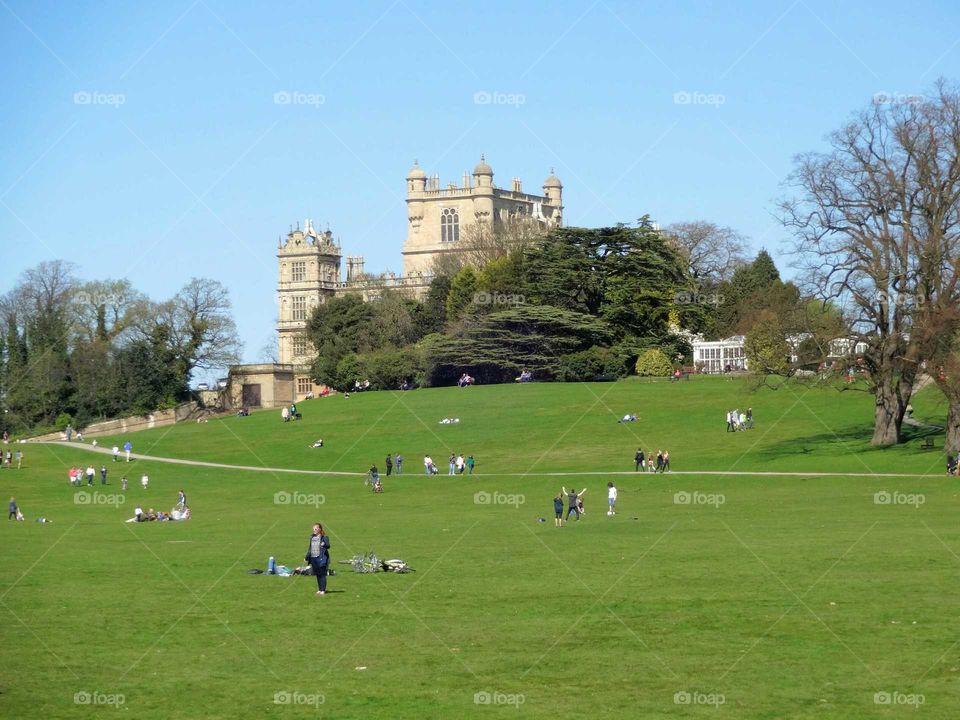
[{"x": 145, "y": 140}]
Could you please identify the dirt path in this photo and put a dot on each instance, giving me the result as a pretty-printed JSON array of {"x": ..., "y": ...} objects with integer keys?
[{"x": 624, "y": 473}]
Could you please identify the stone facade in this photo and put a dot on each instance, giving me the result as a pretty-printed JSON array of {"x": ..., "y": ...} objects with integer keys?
[{"x": 439, "y": 217}]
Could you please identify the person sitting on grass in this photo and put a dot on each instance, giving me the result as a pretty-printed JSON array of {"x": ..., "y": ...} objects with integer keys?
[
  {"x": 318, "y": 444},
  {"x": 377, "y": 486}
]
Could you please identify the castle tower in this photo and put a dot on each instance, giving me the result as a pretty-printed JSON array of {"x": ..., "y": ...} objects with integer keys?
[
  {"x": 308, "y": 274},
  {"x": 440, "y": 219}
]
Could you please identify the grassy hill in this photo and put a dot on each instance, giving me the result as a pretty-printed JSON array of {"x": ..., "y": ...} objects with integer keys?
[
  {"x": 757, "y": 597},
  {"x": 538, "y": 428}
]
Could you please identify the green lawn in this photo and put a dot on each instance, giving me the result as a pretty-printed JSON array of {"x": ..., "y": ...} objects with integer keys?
[{"x": 787, "y": 597}]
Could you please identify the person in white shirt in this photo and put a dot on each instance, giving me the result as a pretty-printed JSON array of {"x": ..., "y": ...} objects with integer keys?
[
  {"x": 90, "y": 473},
  {"x": 144, "y": 481},
  {"x": 611, "y": 498}
]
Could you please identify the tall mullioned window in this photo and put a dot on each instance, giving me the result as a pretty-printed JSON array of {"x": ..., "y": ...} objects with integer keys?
[
  {"x": 299, "y": 345},
  {"x": 449, "y": 225},
  {"x": 298, "y": 271},
  {"x": 304, "y": 385},
  {"x": 299, "y": 307}
]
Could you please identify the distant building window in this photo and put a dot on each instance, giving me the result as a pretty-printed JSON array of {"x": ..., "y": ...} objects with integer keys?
[
  {"x": 299, "y": 345},
  {"x": 304, "y": 385},
  {"x": 299, "y": 307},
  {"x": 299, "y": 271},
  {"x": 449, "y": 225}
]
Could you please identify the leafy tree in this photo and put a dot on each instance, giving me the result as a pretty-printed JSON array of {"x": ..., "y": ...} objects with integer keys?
[
  {"x": 462, "y": 291},
  {"x": 431, "y": 316},
  {"x": 766, "y": 347},
  {"x": 498, "y": 346},
  {"x": 653, "y": 363},
  {"x": 592, "y": 364}
]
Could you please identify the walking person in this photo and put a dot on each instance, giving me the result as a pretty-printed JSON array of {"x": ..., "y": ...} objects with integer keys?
[
  {"x": 470, "y": 463},
  {"x": 145, "y": 481},
  {"x": 461, "y": 464},
  {"x": 318, "y": 555},
  {"x": 116, "y": 453},
  {"x": 90, "y": 474},
  {"x": 638, "y": 460},
  {"x": 182, "y": 501},
  {"x": 666, "y": 461},
  {"x": 558, "y": 510},
  {"x": 123, "y": 483},
  {"x": 749, "y": 418},
  {"x": 103, "y": 474},
  {"x": 659, "y": 461},
  {"x": 611, "y": 498},
  {"x": 573, "y": 501},
  {"x": 453, "y": 464},
  {"x": 127, "y": 447},
  {"x": 19, "y": 456},
  {"x": 13, "y": 509},
  {"x": 398, "y": 459},
  {"x": 389, "y": 464}
]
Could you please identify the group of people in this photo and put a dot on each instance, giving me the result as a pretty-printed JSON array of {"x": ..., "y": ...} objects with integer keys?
[
  {"x": 127, "y": 449},
  {"x": 575, "y": 503},
  {"x": 361, "y": 386},
  {"x": 8, "y": 458},
  {"x": 737, "y": 420},
  {"x": 290, "y": 413},
  {"x": 76, "y": 475},
  {"x": 180, "y": 511},
  {"x": 465, "y": 380},
  {"x": 525, "y": 377},
  {"x": 648, "y": 462},
  {"x": 952, "y": 464}
]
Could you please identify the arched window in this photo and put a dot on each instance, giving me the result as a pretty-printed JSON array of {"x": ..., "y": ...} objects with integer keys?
[{"x": 449, "y": 225}]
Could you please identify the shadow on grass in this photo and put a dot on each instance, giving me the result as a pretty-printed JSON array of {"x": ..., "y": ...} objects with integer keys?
[{"x": 855, "y": 439}]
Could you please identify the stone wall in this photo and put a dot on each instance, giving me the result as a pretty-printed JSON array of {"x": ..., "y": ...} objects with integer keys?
[{"x": 120, "y": 426}]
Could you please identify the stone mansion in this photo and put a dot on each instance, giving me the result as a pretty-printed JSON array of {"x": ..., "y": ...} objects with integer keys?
[
  {"x": 309, "y": 264},
  {"x": 437, "y": 217}
]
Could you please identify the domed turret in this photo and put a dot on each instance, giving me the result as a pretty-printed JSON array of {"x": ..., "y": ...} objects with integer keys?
[
  {"x": 416, "y": 172},
  {"x": 482, "y": 168},
  {"x": 553, "y": 188},
  {"x": 416, "y": 179},
  {"x": 483, "y": 173}
]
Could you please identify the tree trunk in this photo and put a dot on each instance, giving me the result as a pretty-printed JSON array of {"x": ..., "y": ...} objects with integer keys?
[
  {"x": 891, "y": 404},
  {"x": 952, "y": 444}
]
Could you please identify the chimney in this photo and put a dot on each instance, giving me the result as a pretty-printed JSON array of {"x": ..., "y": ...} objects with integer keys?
[{"x": 517, "y": 185}]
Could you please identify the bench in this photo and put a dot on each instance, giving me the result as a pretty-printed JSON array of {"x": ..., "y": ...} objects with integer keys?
[{"x": 928, "y": 443}]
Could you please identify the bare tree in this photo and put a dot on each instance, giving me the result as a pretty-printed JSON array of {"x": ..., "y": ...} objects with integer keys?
[
  {"x": 482, "y": 242},
  {"x": 712, "y": 252},
  {"x": 875, "y": 221},
  {"x": 196, "y": 327},
  {"x": 104, "y": 309}
]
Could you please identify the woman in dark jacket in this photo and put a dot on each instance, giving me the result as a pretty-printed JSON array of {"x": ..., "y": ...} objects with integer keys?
[{"x": 318, "y": 555}]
